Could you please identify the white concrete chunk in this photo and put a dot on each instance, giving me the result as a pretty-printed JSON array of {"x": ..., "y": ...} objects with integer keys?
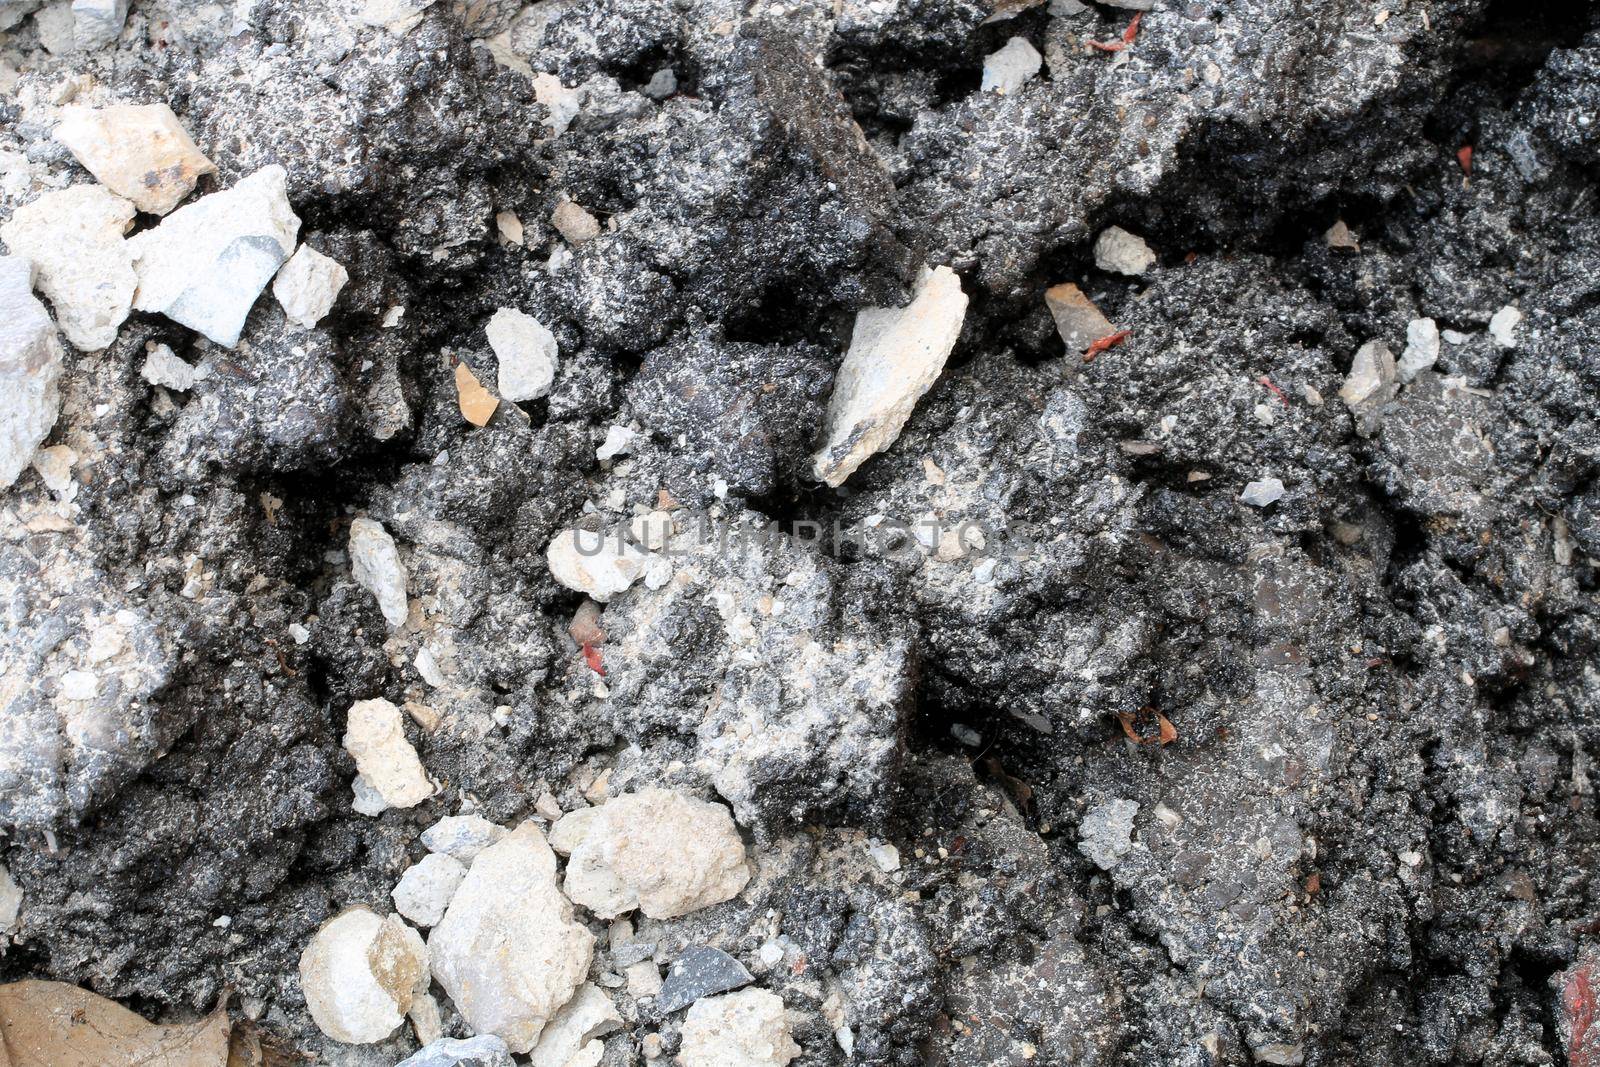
[
  {"x": 1119, "y": 252},
  {"x": 597, "y": 562},
  {"x": 138, "y": 151},
  {"x": 1010, "y": 68},
  {"x": 526, "y": 352},
  {"x": 81, "y": 262},
  {"x": 163, "y": 367},
  {"x": 461, "y": 837},
  {"x": 375, "y": 737},
  {"x": 30, "y": 370},
  {"x": 97, "y": 23},
  {"x": 1422, "y": 348},
  {"x": 375, "y": 565},
  {"x": 588, "y": 1015},
  {"x": 743, "y": 1029},
  {"x": 308, "y": 285},
  {"x": 1503, "y": 327},
  {"x": 360, "y": 974},
  {"x": 424, "y": 891}
]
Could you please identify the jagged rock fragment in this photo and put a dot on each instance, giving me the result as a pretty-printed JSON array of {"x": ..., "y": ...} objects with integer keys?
[
  {"x": 360, "y": 973},
  {"x": 163, "y": 367},
  {"x": 97, "y": 23},
  {"x": 375, "y": 737},
  {"x": 81, "y": 262},
  {"x": 308, "y": 285},
  {"x": 485, "y": 1050},
  {"x": 1078, "y": 321},
  {"x": 396, "y": 16},
  {"x": 461, "y": 837},
  {"x": 376, "y": 566},
  {"x": 207, "y": 262},
  {"x": 138, "y": 151},
  {"x": 1106, "y": 833},
  {"x": 588, "y": 1015},
  {"x": 699, "y": 972},
  {"x": 10, "y": 904},
  {"x": 424, "y": 891},
  {"x": 743, "y": 1029},
  {"x": 1259, "y": 494},
  {"x": 477, "y": 404},
  {"x": 1119, "y": 252},
  {"x": 1371, "y": 377},
  {"x": 30, "y": 370},
  {"x": 895, "y": 356},
  {"x": 597, "y": 562},
  {"x": 526, "y": 352},
  {"x": 1503, "y": 326},
  {"x": 507, "y": 950},
  {"x": 1010, "y": 68},
  {"x": 1422, "y": 349},
  {"x": 656, "y": 850}
]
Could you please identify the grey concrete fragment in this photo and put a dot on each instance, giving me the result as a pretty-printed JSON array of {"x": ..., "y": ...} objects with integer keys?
[{"x": 700, "y": 972}]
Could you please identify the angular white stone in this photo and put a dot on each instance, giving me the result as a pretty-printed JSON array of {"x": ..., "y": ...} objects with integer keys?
[
  {"x": 81, "y": 263},
  {"x": 1259, "y": 494},
  {"x": 139, "y": 151},
  {"x": 597, "y": 562},
  {"x": 1503, "y": 327},
  {"x": 424, "y": 891},
  {"x": 1106, "y": 833},
  {"x": 163, "y": 367},
  {"x": 619, "y": 442},
  {"x": 508, "y": 951},
  {"x": 97, "y": 23},
  {"x": 1120, "y": 252},
  {"x": 11, "y": 904},
  {"x": 588, "y": 1015},
  {"x": 656, "y": 850},
  {"x": 1010, "y": 68},
  {"x": 1371, "y": 372},
  {"x": 1422, "y": 348},
  {"x": 207, "y": 262},
  {"x": 30, "y": 370},
  {"x": 360, "y": 974},
  {"x": 526, "y": 353},
  {"x": 743, "y": 1029},
  {"x": 461, "y": 837},
  {"x": 895, "y": 356},
  {"x": 308, "y": 285},
  {"x": 375, "y": 737},
  {"x": 376, "y": 567}
]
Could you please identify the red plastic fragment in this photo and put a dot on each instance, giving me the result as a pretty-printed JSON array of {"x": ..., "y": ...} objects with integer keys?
[
  {"x": 1464, "y": 157},
  {"x": 1109, "y": 341},
  {"x": 1264, "y": 380},
  {"x": 591, "y": 656}
]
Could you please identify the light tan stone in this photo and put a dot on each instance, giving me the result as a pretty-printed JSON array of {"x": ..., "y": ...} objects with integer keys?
[
  {"x": 743, "y": 1029},
  {"x": 74, "y": 237},
  {"x": 139, "y": 151},
  {"x": 360, "y": 974},
  {"x": 375, "y": 737}
]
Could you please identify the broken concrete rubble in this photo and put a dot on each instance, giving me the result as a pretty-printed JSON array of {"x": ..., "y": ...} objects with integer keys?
[
  {"x": 526, "y": 355},
  {"x": 387, "y": 764},
  {"x": 82, "y": 265},
  {"x": 376, "y": 566},
  {"x": 30, "y": 369},
  {"x": 743, "y": 1029},
  {"x": 308, "y": 285},
  {"x": 359, "y": 974},
  {"x": 597, "y": 562},
  {"x": 140, "y": 152}
]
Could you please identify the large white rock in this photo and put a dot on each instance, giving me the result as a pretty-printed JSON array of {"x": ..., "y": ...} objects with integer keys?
[
  {"x": 588, "y": 1015},
  {"x": 895, "y": 356},
  {"x": 360, "y": 974},
  {"x": 1010, "y": 68},
  {"x": 375, "y": 565},
  {"x": 526, "y": 352},
  {"x": 207, "y": 262},
  {"x": 1120, "y": 252},
  {"x": 375, "y": 737},
  {"x": 97, "y": 23},
  {"x": 508, "y": 951},
  {"x": 597, "y": 562},
  {"x": 81, "y": 262},
  {"x": 139, "y": 151},
  {"x": 424, "y": 891},
  {"x": 308, "y": 285},
  {"x": 656, "y": 850},
  {"x": 743, "y": 1029},
  {"x": 461, "y": 837},
  {"x": 30, "y": 369}
]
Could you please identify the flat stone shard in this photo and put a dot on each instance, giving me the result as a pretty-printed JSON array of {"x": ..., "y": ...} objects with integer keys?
[
  {"x": 526, "y": 352},
  {"x": 461, "y": 837},
  {"x": 1503, "y": 327},
  {"x": 375, "y": 565},
  {"x": 1422, "y": 348},
  {"x": 743, "y": 1029},
  {"x": 81, "y": 262},
  {"x": 1371, "y": 378},
  {"x": 1010, "y": 68},
  {"x": 1078, "y": 321},
  {"x": 895, "y": 356},
  {"x": 700, "y": 972},
  {"x": 1119, "y": 252},
  {"x": 308, "y": 285},
  {"x": 508, "y": 951},
  {"x": 597, "y": 562},
  {"x": 30, "y": 369},
  {"x": 360, "y": 974},
  {"x": 207, "y": 262},
  {"x": 425, "y": 889},
  {"x": 138, "y": 151},
  {"x": 661, "y": 852},
  {"x": 1259, "y": 494},
  {"x": 588, "y": 1015},
  {"x": 485, "y": 1050},
  {"x": 375, "y": 737},
  {"x": 97, "y": 23}
]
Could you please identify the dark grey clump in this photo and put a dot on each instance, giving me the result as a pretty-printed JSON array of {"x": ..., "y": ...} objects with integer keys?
[{"x": 699, "y": 971}]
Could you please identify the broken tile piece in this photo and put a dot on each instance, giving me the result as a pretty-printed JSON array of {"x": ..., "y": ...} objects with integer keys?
[
  {"x": 597, "y": 562},
  {"x": 477, "y": 404},
  {"x": 1011, "y": 67},
  {"x": 424, "y": 891},
  {"x": 308, "y": 285},
  {"x": 360, "y": 973},
  {"x": 30, "y": 369},
  {"x": 207, "y": 262},
  {"x": 1078, "y": 321},
  {"x": 508, "y": 950},
  {"x": 375, "y": 737},
  {"x": 1119, "y": 252},
  {"x": 743, "y": 1029},
  {"x": 526, "y": 354},
  {"x": 376, "y": 567},
  {"x": 700, "y": 971},
  {"x": 895, "y": 356},
  {"x": 588, "y": 1015},
  {"x": 138, "y": 151},
  {"x": 81, "y": 263},
  {"x": 660, "y": 851}
]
